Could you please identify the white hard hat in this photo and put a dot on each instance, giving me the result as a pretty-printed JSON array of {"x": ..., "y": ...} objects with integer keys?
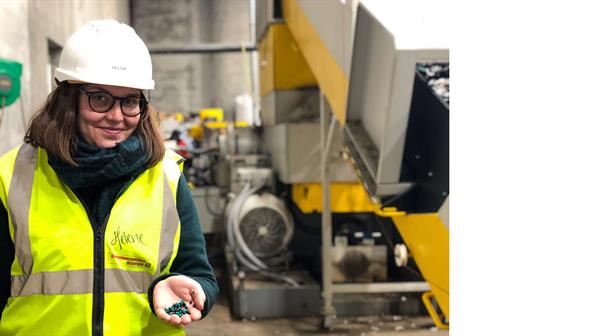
[{"x": 106, "y": 52}]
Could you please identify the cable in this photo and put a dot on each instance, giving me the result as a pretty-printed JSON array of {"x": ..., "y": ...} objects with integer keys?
[
  {"x": 391, "y": 200},
  {"x": 207, "y": 205},
  {"x": 244, "y": 261},
  {"x": 23, "y": 116},
  {"x": 389, "y": 241},
  {"x": 391, "y": 246},
  {"x": 236, "y": 227},
  {"x": 419, "y": 275},
  {"x": 284, "y": 278},
  {"x": 3, "y": 112},
  {"x": 300, "y": 222},
  {"x": 234, "y": 234},
  {"x": 246, "y": 67}
]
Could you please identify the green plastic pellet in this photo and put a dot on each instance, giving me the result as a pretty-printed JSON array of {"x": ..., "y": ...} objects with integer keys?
[{"x": 179, "y": 308}]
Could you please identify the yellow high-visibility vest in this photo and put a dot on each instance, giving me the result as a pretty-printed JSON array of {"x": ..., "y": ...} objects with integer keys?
[{"x": 68, "y": 278}]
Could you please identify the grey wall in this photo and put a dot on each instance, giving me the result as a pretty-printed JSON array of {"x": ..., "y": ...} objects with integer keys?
[
  {"x": 190, "y": 82},
  {"x": 25, "y": 27},
  {"x": 183, "y": 82}
]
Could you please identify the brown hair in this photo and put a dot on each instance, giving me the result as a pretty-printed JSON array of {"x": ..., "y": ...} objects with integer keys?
[{"x": 54, "y": 126}]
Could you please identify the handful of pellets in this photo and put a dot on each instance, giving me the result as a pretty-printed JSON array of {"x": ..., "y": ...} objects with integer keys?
[{"x": 179, "y": 309}]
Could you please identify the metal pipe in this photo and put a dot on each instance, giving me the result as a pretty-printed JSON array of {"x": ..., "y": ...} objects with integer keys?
[
  {"x": 254, "y": 65},
  {"x": 252, "y": 11},
  {"x": 327, "y": 149},
  {"x": 381, "y": 287},
  {"x": 204, "y": 48},
  {"x": 328, "y": 309}
]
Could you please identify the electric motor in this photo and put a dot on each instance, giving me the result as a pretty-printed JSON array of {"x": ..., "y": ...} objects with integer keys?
[{"x": 265, "y": 224}]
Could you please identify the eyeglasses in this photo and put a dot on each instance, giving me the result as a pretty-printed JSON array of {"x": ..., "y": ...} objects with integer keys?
[{"x": 102, "y": 101}]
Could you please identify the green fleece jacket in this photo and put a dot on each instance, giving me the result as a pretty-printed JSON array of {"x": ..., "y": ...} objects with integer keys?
[{"x": 191, "y": 259}]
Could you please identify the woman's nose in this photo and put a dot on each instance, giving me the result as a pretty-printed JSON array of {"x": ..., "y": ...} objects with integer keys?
[{"x": 115, "y": 112}]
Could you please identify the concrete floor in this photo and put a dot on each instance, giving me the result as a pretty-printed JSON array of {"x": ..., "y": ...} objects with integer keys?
[{"x": 219, "y": 322}]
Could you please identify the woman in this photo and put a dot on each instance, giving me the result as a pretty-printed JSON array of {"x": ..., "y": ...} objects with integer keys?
[{"x": 98, "y": 230}]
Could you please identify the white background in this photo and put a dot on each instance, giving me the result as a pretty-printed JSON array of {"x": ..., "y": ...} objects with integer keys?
[{"x": 525, "y": 150}]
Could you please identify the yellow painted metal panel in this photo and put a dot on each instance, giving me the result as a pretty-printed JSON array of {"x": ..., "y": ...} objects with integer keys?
[
  {"x": 345, "y": 197},
  {"x": 282, "y": 66},
  {"x": 291, "y": 69},
  {"x": 267, "y": 64},
  {"x": 215, "y": 114},
  {"x": 428, "y": 241},
  {"x": 225, "y": 124},
  {"x": 330, "y": 75}
]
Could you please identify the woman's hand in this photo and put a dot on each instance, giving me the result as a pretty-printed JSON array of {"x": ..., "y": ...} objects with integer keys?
[{"x": 173, "y": 289}]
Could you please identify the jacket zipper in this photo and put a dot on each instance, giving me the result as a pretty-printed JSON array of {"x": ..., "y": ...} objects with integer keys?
[
  {"x": 98, "y": 303},
  {"x": 98, "y": 287}
]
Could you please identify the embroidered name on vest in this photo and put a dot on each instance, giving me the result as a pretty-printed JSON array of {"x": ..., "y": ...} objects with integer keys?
[{"x": 123, "y": 238}]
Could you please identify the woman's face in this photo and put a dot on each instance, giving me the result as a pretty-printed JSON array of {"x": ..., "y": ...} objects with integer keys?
[{"x": 105, "y": 130}]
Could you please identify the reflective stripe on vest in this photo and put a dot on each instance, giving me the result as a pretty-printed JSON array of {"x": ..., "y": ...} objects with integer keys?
[
  {"x": 18, "y": 204},
  {"x": 79, "y": 282}
]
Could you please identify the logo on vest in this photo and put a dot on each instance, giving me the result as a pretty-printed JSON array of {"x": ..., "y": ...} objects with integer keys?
[{"x": 132, "y": 261}]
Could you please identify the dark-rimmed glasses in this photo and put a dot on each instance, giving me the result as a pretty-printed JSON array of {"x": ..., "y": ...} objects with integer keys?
[{"x": 102, "y": 101}]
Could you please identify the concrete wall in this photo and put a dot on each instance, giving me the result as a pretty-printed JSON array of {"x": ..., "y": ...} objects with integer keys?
[
  {"x": 189, "y": 82},
  {"x": 183, "y": 82},
  {"x": 25, "y": 28},
  {"x": 180, "y": 84},
  {"x": 231, "y": 24}
]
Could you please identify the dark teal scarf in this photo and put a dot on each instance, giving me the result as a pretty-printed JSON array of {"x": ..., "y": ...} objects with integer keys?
[
  {"x": 102, "y": 173},
  {"x": 100, "y": 165}
]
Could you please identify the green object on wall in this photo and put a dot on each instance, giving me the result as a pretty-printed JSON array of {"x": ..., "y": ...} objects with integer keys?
[{"x": 10, "y": 81}]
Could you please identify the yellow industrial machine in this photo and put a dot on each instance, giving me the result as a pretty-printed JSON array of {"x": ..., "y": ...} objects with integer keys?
[
  {"x": 347, "y": 180},
  {"x": 396, "y": 131}
]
